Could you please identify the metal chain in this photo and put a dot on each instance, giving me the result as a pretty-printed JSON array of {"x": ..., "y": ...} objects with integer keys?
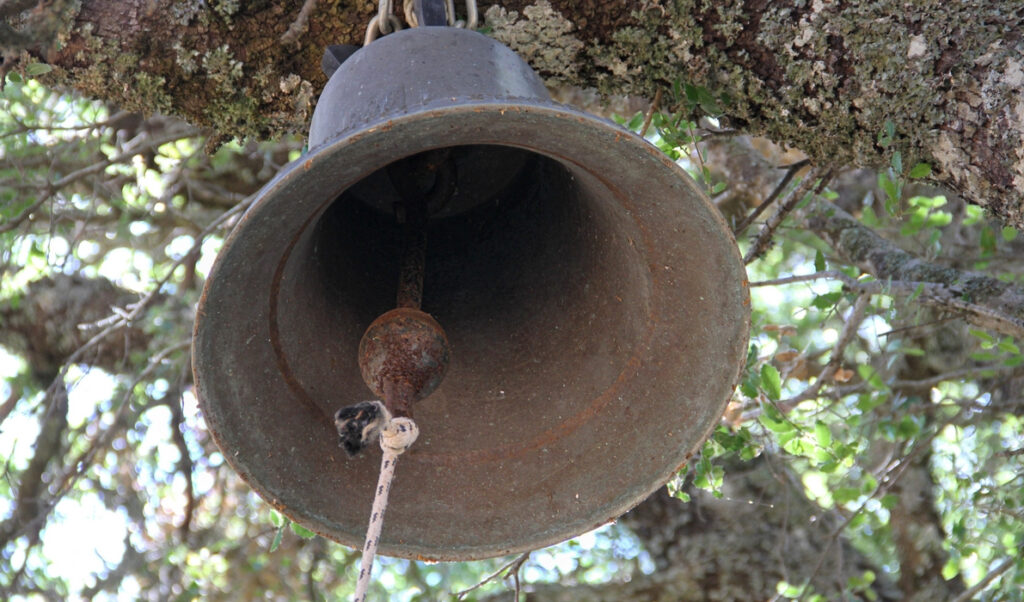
[
  {"x": 472, "y": 15},
  {"x": 383, "y": 23}
]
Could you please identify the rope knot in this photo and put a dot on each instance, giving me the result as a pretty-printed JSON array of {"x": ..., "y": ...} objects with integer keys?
[{"x": 398, "y": 435}]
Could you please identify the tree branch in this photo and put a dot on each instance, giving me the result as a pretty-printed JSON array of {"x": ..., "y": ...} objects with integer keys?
[
  {"x": 30, "y": 505},
  {"x": 781, "y": 186},
  {"x": 981, "y": 585},
  {"x": 983, "y": 301},
  {"x": 764, "y": 237}
]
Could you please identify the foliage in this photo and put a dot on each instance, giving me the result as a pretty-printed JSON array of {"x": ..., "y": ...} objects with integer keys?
[{"x": 856, "y": 388}]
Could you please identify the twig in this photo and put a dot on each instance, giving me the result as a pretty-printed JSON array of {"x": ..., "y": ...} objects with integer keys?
[
  {"x": 513, "y": 565},
  {"x": 791, "y": 172},
  {"x": 84, "y": 460},
  {"x": 942, "y": 296},
  {"x": 833, "y": 274},
  {"x": 835, "y": 360},
  {"x": 24, "y": 129},
  {"x": 650, "y": 113},
  {"x": 185, "y": 466},
  {"x": 53, "y": 188},
  {"x": 886, "y": 483},
  {"x": 927, "y": 383},
  {"x": 809, "y": 184},
  {"x": 8, "y": 406},
  {"x": 999, "y": 570},
  {"x": 146, "y": 301},
  {"x": 298, "y": 27}
]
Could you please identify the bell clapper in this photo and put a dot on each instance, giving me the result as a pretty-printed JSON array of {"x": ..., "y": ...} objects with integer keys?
[{"x": 404, "y": 353}]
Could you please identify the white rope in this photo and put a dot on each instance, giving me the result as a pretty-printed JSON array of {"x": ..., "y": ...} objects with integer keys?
[{"x": 397, "y": 436}]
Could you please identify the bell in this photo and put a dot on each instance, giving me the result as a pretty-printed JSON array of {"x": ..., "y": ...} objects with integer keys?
[{"x": 594, "y": 300}]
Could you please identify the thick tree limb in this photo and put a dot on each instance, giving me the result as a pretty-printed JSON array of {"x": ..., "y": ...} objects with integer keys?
[
  {"x": 738, "y": 547},
  {"x": 44, "y": 324},
  {"x": 823, "y": 77},
  {"x": 32, "y": 502},
  {"x": 763, "y": 530},
  {"x": 983, "y": 301}
]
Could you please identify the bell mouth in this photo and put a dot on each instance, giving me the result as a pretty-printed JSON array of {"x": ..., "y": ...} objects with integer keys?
[
  {"x": 543, "y": 296},
  {"x": 595, "y": 302}
]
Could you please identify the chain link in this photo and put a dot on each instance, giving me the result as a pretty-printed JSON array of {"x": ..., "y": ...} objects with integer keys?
[
  {"x": 472, "y": 15},
  {"x": 385, "y": 8},
  {"x": 383, "y": 23}
]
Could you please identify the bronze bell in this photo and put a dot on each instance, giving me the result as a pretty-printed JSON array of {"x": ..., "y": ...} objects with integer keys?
[{"x": 595, "y": 303}]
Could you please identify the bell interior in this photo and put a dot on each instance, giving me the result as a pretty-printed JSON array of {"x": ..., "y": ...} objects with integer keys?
[
  {"x": 532, "y": 271},
  {"x": 594, "y": 301}
]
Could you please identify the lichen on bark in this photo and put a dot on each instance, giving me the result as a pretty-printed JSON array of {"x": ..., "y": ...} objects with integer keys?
[{"x": 820, "y": 76}]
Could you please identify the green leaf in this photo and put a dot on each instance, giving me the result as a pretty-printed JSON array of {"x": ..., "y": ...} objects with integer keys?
[
  {"x": 950, "y": 569},
  {"x": 749, "y": 387},
  {"x": 897, "y": 162},
  {"x": 907, "y": 428},
  {"x": 795, "y": 446},
  {"x": 889, "y": 501},
  {"x": 302, "y": 532},
  {"x": 692, "y": 94},
  {"x": 708, "y": 102},
  {"x": 1008, "y": 346},
  {"x": 822, "y": 434},
  {"x": 868, "y": 373},
  {"x": 845, "y": 495},
  {"x": 939, "y": 219},
  {"x": 771, "y": 382},
  {"x": 277, "y": 539},
  {"x": 987, "y": 242},
  {"x": 34, "y": 69},
  {"x": 775, "y": 426},
  {"x": 974, "y": 215},
  {"x": 868, "y": 217},
  {"x": 819, "y": 261},
  {"x": 1009, "y": 233},
  {"x": 788, "y": 590},
  {"x": 981, "y": 334},
  {"x": 890, "y": 128},
  {"x": 917, "y": 293},
  {"x": 1013, "y": 361},
  {"x": 892, "y": 192},
  {"x": 921, "y": 170},
  {"x": 13, "y": 77},
  {"x": 683, "y": 496},
  {"x": 827, "y": 300}
]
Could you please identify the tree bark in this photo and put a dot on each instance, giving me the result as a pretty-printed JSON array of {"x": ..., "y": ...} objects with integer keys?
[
  {"x": 825, "y": 77},
  {"x": 58, "y": 314}
]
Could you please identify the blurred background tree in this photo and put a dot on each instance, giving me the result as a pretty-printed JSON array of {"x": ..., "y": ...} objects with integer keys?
[{"x": 873, "y": 449}]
